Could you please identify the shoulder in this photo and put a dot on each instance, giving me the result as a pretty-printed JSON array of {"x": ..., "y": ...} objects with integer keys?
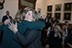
[{"x": 5, "y": 16}]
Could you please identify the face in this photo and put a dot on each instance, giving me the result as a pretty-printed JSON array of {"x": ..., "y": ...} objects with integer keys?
[
  {"x": 7, "y": 13},
  {"x": 28, "y": 16},
  {"x": 63, "y": 27},
  {"x": 55, "y": 29},
  {"x": 67, "y": 24}
]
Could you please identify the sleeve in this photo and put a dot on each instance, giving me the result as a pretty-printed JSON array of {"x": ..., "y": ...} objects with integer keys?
[
  {"x": 10, "y": 17},
  {"x": 67, "y": 39},
  {"x": 3, "y": 19},
  {"x": 26, "y": 39},
  {"x": 1, "y": 28},
  {"x": 48, "y": 30},
  {"x": 36, "y": 25}
]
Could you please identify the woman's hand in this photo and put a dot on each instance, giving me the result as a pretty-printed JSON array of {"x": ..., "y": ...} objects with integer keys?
[
  {"x": 13, "y": 27},
  {"x": 47, "y": 46},
  {"x": 59, "y": 35}
]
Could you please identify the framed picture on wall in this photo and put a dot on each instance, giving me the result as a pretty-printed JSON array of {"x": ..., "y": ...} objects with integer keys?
[
  {"x": 67, "y": 6},
  {"x": 26, "y": 3},
  {"x": 67, "y": 16},
  {"x": 49, "y": 15},
  {"x": 49, "y": 8},
  {"x": 2, "y": 4},
  {"x": 58, "y": 7},
  {"x": 58, "y": 15}
]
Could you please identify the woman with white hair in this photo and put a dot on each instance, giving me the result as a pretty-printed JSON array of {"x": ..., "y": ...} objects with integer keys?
[
  {"x": 55, "y": 38},
  {"x": 18, "y": 31}
]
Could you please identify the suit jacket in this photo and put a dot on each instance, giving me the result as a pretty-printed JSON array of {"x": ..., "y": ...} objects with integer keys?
[
  {"x": 30, "y": 39},
  {"x": 5, "y": 17},
  {"x": 47, "y": 20}
]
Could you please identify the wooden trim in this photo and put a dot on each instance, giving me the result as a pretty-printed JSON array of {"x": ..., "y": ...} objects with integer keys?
[{"x": 20, "y": 6}]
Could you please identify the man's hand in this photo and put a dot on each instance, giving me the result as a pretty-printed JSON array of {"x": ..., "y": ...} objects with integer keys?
[{"x": 7, "y": 21}]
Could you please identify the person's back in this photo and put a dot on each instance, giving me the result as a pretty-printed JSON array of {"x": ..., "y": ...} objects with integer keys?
[{"x": 36, "y": 43}]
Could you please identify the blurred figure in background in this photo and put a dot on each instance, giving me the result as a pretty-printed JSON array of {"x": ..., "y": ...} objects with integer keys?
[
  {"x": 41, "y": 19},
  {"x": 7, "y": 16},
  {"x": 55, "y": 38}
]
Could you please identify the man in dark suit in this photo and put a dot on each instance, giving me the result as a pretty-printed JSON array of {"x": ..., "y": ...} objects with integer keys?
[
  {"x": 46, "y": 22},
  {"x": 41, "y": 19},
  {"x": 7, "y": 16},
  {"x": 31, "y": 39}
]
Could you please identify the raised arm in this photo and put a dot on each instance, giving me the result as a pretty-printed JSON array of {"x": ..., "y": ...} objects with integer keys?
[
  {"x": 1, "y": 27},
  {"x": 35, "y": 25}
]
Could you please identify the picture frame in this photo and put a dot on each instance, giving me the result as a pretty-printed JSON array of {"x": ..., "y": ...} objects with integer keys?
[
  {"x": 49, "y": 15},
  {"x": 1, "y": 4},
  {"x": 2, "y": 1},
  {"x": 67, "y": 16},
  {"x": 26, "y": 3},
  {"x": 58, "y": 15},
  {"x": 67, "y": 6},
  {"x": 58, "y": 7},
  {"x": 49, "y": 8}
]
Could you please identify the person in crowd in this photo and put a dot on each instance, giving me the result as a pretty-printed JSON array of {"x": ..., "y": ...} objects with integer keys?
[
  {"x": 25, "y": 34},
  {"x": 7, "y": 16},
  {"x": 68, "y": 28},
  {"x": 64, "y": 34},
  {"x": 55, "y": 38},
  {"x": 52, "y": 20},
  {"x": 43, "y": 36},
  {"x": 51, "y": 28},
  {"x": 41, "y": 19},
  {"x": 46, "y": 22},
  {"x": 56, "y": 20},
  {"x": 68, "y": 41}
]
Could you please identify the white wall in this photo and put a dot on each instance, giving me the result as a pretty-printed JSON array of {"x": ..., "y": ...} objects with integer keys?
[
  {"x": 44, "y": 3},
  {"x": 12, "y": 6}
]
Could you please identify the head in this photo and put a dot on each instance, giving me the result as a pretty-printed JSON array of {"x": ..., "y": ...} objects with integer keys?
[
  {"x": 66, "y": 23},
  {"x": 29, "y": 14},
  {"x": 7, "y": 13},
  {"x": 63, "y": 26},
  {"x": 57, "y": 29},
  {"x": 41, "y": 16}
]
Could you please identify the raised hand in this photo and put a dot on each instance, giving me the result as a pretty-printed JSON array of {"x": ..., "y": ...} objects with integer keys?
[{"x": 13, "y": 27}]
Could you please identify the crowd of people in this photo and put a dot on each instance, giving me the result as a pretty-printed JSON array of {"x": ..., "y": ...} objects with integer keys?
[{"x": 57, "y": 35}]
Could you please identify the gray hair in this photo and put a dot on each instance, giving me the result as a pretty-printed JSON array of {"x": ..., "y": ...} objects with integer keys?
[{"x": 21, "y": 14}]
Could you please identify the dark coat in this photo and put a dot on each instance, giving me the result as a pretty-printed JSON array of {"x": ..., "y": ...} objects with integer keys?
[
  {"x": 54, "y": 42},
  {"x": 5, "y": 17},
  {"x": 68, "y": 39},
  {"x": 31, "y": 39}
]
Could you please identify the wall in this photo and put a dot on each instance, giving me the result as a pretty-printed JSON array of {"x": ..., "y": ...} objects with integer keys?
[
  {"x": 12, "y": 6},
  {"x": 44, "y": 3},
  {"x": 54, "y": 2}
]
